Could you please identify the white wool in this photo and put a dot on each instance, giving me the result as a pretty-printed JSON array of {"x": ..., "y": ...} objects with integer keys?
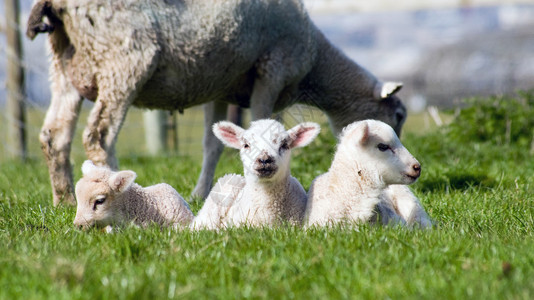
[
  {"x": 367, "y": 176},
  {"x": 407, "y": 206}
]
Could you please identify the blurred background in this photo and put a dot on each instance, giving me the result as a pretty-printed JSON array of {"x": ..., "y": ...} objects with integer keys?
[{"x": 442, "y": 50}]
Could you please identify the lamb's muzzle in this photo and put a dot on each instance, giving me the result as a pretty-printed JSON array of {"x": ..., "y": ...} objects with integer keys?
[
  {"x": 414, "y": 173},
  {"x": 265, "y": 166}
]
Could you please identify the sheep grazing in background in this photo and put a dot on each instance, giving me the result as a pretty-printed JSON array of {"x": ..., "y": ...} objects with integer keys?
[
  {"x": 267, "y": 194},
  {"x": 106, "y": 198},
  {"x": 264, "y": 54},
  {"x": 369, "y": 164}
]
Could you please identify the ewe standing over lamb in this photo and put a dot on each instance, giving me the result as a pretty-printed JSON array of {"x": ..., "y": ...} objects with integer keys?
[
  {"x": 368, "y": 161},
  {"x": 106, "y": 197},
  {"x": 262, "y": 54},
  {"x": 267, "y": 194}
]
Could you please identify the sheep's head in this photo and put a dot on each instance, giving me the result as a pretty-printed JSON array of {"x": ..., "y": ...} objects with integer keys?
[
  {"x": 96, "y": 193},
  {"x": 382, "y": 105},
  {"x": 265, "y": 147},
  {"x": 376, "y": 150}
]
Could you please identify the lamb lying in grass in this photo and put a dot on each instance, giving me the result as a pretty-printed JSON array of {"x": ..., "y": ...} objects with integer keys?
[
  {"x": 369, "y": 165},
  {"x": 107, "y": 197},
  {"x": 267, "y": 194}
]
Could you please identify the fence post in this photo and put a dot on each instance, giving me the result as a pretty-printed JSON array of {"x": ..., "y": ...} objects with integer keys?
[
  {"x": 155, "y": 131},
  {"x": 15, "y": 82}
]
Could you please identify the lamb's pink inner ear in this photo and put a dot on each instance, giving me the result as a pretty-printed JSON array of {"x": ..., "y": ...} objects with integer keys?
[
  {"x": 363, "y": 133},
  {"x": 228, "y": 134},
  {"x": 303, "y": 134}
]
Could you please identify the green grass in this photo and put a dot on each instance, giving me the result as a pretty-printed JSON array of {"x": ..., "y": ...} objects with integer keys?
[{"x": 479, "y": 194}]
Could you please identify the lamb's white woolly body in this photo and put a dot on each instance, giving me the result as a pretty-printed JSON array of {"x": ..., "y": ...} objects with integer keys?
[
  {"x": 106, "y": 197},
  {"x": 369, "y": 159},
  {"x": 267, "y": 194},
  {"x": 262, "y": 54}
]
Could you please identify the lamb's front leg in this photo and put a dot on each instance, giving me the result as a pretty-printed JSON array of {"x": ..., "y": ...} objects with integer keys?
[
  {"x": 212, "y": 147},
  {"x": 57, "y": 133}
]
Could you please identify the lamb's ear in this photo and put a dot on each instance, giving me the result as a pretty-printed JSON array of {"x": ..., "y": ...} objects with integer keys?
[
  {"x": 386, "y": 89},
  {"x": 303, "y": 134},
  {"x": 361, "y": 132},
  {"x": 122, "y": 180},
  {"x": 87, "y": 167},
  {"x": 228, "y": 133}
]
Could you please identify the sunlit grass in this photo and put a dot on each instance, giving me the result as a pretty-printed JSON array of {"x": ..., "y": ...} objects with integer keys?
[{"x": 479, "y": 195}]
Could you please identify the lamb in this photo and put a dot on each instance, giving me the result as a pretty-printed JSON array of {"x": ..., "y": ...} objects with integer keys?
[
  {"x": 369, "y": 174},
  {"x": 264, "y": 54},
  {"x": 106, "y": 197},
  {"x": 267, "y": 194}
]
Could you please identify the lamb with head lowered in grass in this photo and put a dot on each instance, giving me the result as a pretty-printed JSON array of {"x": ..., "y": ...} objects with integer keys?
[
  {"x": 107, "y": 197},
  {"x": 267, "y": 194},
  {"x": 370, "y": 160}
]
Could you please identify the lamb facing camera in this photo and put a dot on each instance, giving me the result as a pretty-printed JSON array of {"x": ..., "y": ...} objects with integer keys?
[{"x": 267, "y": 194}]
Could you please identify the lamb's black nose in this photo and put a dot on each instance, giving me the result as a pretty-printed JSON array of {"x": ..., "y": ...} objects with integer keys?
[
  {"x": 417, "y": 169},
  {"x": 266, "y": 160}
]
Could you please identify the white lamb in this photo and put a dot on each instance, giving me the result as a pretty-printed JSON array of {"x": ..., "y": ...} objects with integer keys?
[
  {"x": 367, "y": 176},
  {"x": 267, "y": 194},
  {"x": 107, "y": 197}
]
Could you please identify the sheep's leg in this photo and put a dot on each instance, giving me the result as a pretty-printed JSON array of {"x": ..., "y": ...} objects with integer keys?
[
  {"x": 275, "y": 70},
  {"x": 263, "y": 98},
  {"x": 103, "y": 126},
  {"x": 212, "y": 147},
  {"x": 56, "y": 136},
  {"x": 118, "y": 84}
]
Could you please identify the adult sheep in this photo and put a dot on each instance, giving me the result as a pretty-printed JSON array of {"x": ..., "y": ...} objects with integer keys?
[{"x": 174, "y": 54}]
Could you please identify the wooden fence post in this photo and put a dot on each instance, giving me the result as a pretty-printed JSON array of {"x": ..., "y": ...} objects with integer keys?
[
  {"x": 155, "y": 131},
  {"x": 15, "y": 82}
]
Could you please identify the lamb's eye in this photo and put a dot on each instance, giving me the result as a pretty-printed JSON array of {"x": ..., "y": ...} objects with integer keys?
[
  {"x": 99, "y": 201},
  {"x": 383, "y": 147},
  {"x": 284, "y": 145},
  {"x": 246, "y": 146}
]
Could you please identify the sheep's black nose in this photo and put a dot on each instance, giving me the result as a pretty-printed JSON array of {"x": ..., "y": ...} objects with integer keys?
[{"x": 265, "y": 160}]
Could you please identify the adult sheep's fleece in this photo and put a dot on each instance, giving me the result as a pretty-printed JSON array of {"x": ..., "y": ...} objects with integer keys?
[
  {"x": 106, "y": 197},
  {"x": 174, "y": 54},
  {"x": 368, "y": 175}
]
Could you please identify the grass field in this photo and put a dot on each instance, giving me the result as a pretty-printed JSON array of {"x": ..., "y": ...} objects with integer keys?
[{"x": 480, "y": 194}]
